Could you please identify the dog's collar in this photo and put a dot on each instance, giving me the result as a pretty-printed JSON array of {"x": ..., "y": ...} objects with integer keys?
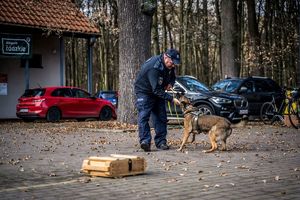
[{"x": 189, "y": 109}]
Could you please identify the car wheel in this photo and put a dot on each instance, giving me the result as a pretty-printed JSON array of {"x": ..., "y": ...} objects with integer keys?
[
  {"x": 105, "y": 114},
  {"x": 205, "y": 110},
  {"x": 53, "y": 115}
]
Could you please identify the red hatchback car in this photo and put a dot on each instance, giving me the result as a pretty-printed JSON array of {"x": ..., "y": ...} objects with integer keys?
[{"x": 55, "y": 103}]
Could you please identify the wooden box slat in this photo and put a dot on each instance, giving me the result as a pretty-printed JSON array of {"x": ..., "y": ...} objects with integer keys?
[{"x": 114, "y": 165}]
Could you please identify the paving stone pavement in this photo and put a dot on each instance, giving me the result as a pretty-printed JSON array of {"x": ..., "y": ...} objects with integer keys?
[{"x": 43, "y": 161}]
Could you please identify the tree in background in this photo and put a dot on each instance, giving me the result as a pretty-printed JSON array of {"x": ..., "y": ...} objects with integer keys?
[
  {"x": 229, "y": 35},
  {"x": 215, "y": 37},
  {"x": 265, "y": 41},
  {"x": 135, "y": 18}
]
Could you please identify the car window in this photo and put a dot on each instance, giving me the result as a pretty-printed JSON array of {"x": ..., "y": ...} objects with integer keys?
[
  {"x": 193, "y": 85},
  {"x": 273, "y": 85},
  {"x": 248, "y": 85},
  {"x": 227, "y": 85},
  {"x": 34, "y": 92},
  {"x": 68, "y": 93},
  {"x": 262, "y": 86},
  {"x": 231, "y": 86},
  {"x": 62, "y": 92},
  {"x": 108, "y": 95},
  {"x": 80, "y": 93},
  {"x": 220, "y": 85},
  {"x": 57, "y": 93}
]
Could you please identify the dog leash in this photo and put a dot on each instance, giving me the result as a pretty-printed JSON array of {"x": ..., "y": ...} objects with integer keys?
[
  {"x": 169, "y": 105},
  {"x": 177, "y": 116}
]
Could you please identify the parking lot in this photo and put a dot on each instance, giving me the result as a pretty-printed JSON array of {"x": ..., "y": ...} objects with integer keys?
[{"x": 42, "y": 161}]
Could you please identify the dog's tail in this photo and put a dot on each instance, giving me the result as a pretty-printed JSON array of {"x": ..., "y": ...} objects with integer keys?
[{"x": 241, "y": 124}]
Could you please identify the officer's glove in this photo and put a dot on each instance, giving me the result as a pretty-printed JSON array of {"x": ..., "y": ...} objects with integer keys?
[{"x": 176, "y": 101}]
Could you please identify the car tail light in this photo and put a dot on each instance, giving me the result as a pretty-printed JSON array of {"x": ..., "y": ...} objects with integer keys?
[{"x": 38, "y": 100}]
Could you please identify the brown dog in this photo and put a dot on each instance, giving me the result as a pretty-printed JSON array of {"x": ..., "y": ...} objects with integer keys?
[{"x": 215, "y": 126}]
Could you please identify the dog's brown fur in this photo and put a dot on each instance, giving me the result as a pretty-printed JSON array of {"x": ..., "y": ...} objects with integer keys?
[{"x": 214, "y": 126}]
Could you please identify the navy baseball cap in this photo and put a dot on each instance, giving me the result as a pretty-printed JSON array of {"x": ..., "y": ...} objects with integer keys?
[{"x": 174, "y": 55}]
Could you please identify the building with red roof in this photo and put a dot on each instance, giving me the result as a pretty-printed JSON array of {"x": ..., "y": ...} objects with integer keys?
[{"x": 32, "y": 36}]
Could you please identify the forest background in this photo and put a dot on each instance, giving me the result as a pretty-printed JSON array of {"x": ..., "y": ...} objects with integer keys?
[{"x": 216, "y": 39}]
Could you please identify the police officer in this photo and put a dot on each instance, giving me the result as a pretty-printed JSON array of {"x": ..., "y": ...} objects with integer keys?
[{"x": 157, "y": 74}]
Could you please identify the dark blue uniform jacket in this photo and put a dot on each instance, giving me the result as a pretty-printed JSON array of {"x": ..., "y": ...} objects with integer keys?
[{"x": 153, "y": 77}]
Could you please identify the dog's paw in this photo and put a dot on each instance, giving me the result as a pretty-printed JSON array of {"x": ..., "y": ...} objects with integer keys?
[
  {"x": 204, "y": 151},
  {"x": 180, "y": 149}
]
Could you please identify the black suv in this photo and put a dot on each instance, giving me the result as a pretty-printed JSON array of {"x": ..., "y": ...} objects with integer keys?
[
  {"x": 256, "y": 89},
  {"x": 208, "y": 101}
]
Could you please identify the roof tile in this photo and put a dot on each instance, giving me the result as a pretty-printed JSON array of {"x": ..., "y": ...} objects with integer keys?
[{"x": 60, "y": 15}]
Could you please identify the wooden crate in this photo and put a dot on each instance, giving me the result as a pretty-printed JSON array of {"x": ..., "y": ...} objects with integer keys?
[{"x": 114, "y": 165}]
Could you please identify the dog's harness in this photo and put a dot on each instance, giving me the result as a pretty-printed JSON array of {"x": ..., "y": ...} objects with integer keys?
[
  {"x": 195, "y": 125},
  {"x": 195, "y": 113}
]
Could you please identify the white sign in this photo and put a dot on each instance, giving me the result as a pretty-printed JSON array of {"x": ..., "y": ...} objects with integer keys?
[
  {"x": 3, "y": 88},
  {"x": 15, "y": 45}
]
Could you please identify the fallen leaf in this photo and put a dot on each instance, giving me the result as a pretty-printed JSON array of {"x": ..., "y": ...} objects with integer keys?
[
  {"x": 52, "y": 174},
  {"x": 172, "y": 180},
  {"x": 223, "y": 174}
]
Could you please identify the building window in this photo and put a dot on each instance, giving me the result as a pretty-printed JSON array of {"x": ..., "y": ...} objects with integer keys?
[{"x": 34, "y": 62}]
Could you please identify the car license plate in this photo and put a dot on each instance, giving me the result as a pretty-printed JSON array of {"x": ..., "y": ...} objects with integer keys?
[
  {"x": 243, "y": 112},
  {"x": 24, "y": 110}
]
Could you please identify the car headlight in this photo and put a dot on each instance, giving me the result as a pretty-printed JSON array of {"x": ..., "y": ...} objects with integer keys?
[{"x": 219, "y": 100}]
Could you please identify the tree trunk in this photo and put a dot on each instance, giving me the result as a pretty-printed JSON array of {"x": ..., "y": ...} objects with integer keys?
[
  {"x": 254, "y": 39},
  {"x": 74, "y": 61},
  {"x": 134, "y": 50},
  {"x": 155, "y": 35},
  {"x": 230, "y": 67},
  {"x": 206, "y": 67},
  {"x": 298, "y": 46},
  {"x": 164, "y": 26},
  {"x": 181, "y": 37},
  {"x": 219, "y": 22}
]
